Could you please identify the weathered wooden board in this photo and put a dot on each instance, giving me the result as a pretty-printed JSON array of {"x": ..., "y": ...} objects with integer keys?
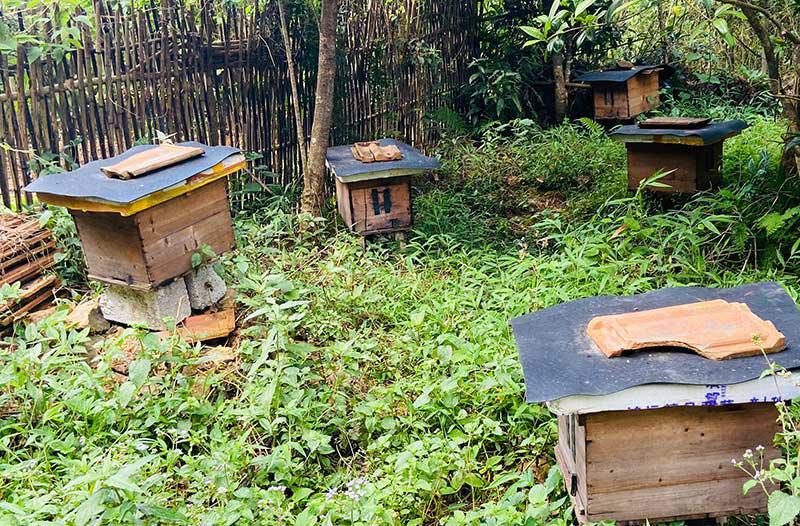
[
  {"x": 693, "y": 168},
  {"x": 643, "y": 93},
  {"x": 112, "y": 248},
  {"x": 664, "y": 464},
  {"x": 376, "y": 206},
  {"x": 156, "y": 245},
  {"x": 611, "y": 101}
]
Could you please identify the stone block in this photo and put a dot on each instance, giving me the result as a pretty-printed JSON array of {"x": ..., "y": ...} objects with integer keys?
[
  {"x": 205, "y": 287},
  {"x": 149, "y": 308}
]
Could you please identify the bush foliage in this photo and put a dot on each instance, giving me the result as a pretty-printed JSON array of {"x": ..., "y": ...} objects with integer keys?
[{"x": 377, "y": 387}]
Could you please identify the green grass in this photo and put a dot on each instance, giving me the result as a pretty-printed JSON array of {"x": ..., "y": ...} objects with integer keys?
[{"x": 377, "y": 387}]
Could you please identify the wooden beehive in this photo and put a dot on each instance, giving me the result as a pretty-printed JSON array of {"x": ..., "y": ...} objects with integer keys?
[
  {"x": 664, "y": 464},
  {"x": 155, "y": 245},
  {"x": 376, "y": 206},
  {"x": 143, "y": 232},
  {"x": 623, "y": 94},
  {"x": 375, "y": 197},
  {"x": 690, "y": 158}
]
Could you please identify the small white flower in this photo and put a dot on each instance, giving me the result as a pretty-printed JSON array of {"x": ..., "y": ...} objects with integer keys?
[
  {"x": 222, "y": 490},
  {"x": 759, "y": 448},
  {"x": 279, "y": 489},
  {"x": 757, "y": 475},
  {"x": 748, "y": 453},
  {"x": 330, "y": 493},
  {"x": 733, "y": 461}
]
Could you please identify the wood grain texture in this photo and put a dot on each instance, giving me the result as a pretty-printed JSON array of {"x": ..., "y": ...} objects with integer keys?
[
  {"x": 357, "y": 205},
  {"x": 666, "y": 464},
  {"x": 643, "y": 93},
  {"x": 111, "y": 247},
  {"x": 156, "y": 245},
  {"x": 693, "y": 168},
  {"x": 611, "y": 101}
]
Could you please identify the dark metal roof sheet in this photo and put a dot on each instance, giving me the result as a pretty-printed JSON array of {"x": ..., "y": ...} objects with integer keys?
[
  {"x": 346, "y": 168},
  {"x": 89, "y": 181},
  {"x": 614, "y": 75},
  {"x": 559, "y": 359},
  {"x": 710, "y": 134}
]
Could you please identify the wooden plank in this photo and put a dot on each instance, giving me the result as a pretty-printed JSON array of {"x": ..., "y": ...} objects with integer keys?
[
  {"x": 643, "y": 93},
  {"x": 112, "y": 247},
  {"x": 399, "y": 215},
  {"x": 673, "y": 462},
  {"x": 171, "y": 256},
  {"x": 681, "y": 123},
  {"x": 171, "y": 216},
  {"x": 31, "y": 253},
  {"x": 27, "y": 271},
  {"x": 610, "y": 101},
  {"x": 343, "y": 202},
  {"x": 644, "y": 160},
  {"x": 30, "y": 290},
  {"x": 36, "y": 302},
  {"x": 203, "y": 327}
]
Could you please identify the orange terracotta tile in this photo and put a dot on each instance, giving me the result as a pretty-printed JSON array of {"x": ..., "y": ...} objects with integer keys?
[{"x": 716, "y": 329}]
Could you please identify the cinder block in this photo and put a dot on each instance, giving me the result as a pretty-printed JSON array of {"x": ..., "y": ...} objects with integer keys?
[
  {"x": 205, "y": 287},
  {"x": 149, "y": 308}
]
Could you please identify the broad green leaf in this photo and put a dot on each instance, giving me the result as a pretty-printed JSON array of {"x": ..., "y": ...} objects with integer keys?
[
  {"x": 583, "y": 6},
  {"x": 125, "y": 393},
  {"x": 90, "y": 508},
  {"x": 782, "y": 508},
  {"x": 138, "y": 371}
]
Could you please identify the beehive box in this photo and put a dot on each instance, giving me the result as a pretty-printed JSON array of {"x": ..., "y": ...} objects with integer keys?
[
  {"x": 691, "y": 158},
  {"x": 650, "y": 435},
  {"x": 625, "y": 93},
  {"x": 375, "y": 198},
  {"x": 155, "y": 245},
  {"x": 376, "y": 206},
  {"x": 143, "y": 232},
  {"x": 666, "y": 464}
]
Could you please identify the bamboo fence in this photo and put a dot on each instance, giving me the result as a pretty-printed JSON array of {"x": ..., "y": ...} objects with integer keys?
[{"x": 218, "y": 75}]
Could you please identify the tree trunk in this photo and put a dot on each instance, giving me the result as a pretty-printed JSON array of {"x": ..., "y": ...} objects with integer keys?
[
  {"x": 314, "y": 175},
  {"x": 789, "y": 104},
  {"x": 298, "y": 111},
  {"x": 562, "y": 98}
]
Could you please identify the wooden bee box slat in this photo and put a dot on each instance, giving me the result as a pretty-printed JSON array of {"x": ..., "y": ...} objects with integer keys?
[
  {"x": 643, "y": 93},
  {"x": 172, "y": 256},
  {"x": 156, "y": 245},
  {"x": 611, "y": 101},
  {"x": 695, "y": 167},
  {"x": 664, "y": 464}
]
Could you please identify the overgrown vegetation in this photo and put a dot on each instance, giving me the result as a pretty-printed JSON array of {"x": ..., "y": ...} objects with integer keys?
[{"x": 377, "y": 387}]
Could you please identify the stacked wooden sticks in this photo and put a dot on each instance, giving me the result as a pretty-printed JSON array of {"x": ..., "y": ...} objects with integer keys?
[{"x": 27, "y": 250}]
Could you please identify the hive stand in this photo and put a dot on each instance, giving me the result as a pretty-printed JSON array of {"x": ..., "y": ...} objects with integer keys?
[
  {"x": 690, "y": 157},
  {"x": 375, "y": 198},
  {"x": 622, "y": 94}
]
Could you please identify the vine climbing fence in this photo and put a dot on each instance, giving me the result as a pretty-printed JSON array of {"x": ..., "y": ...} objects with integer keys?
[{"x": 110, "y": 76}]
